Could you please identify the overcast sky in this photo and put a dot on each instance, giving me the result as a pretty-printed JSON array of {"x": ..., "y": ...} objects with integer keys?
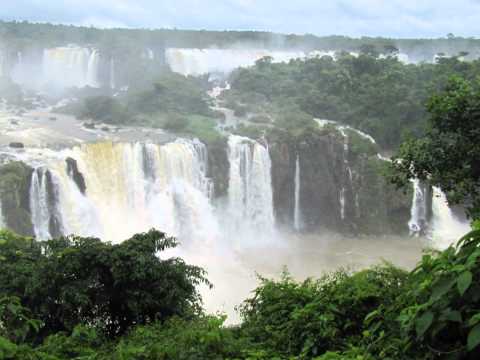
[{"x": 394, "y": 18}]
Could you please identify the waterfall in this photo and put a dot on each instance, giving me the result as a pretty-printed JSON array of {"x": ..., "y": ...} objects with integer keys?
[
  {"x": 92, "y": 69},
  {"x": 250, "y": 200},
  {"x": 39, "y": 206},
  {"x": 71, "y": 66},
  {"x": 418, "y": 213},
  {"x": 446, "y": 228},
  {"x": 205, "y": 61},
  {"x": 129, "y": 188},
  {"x": 297, "y": 216},
  {"x": 112, "y": 73}
]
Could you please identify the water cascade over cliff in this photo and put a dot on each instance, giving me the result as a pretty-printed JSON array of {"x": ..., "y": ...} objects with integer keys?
[
  {"x": 297, "y": 213},
  {"x": 71, "y": 66},
  {"x": 207, "y": 61},
  {"x": 446, "y": 226},
  {"x": 431, "y": 216},
  {"x": 420, "y": 209},
  {"x": 113, "y": 190},
  {"x": 250, "y": 202}
]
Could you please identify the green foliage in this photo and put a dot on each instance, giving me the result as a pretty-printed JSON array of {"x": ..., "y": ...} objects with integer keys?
[
  {"x": 104, "y": 109},
  {"x": 379, "y": 313},
  {"x": 307, "y": 319},
  {"x": 70, "y": 281},
  {"x": 443, "y": 315},
  {"x": 382, "y": 97},
  {"x": 447, "y": 156}
]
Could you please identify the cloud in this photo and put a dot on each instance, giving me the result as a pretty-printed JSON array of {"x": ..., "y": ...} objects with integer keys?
[{"x": 393, "y": 18}]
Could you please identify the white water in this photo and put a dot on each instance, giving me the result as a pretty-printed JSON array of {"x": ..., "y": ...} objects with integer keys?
[
  {"x": 418, "y": 213},
  {"x": 70, "y": 66},
  {"x": 130, "y": 187},
  {"x": 39, "y": 204},
  {"x": 446, "y": 227},
  {"x": 193, "y": 61},
  {"x": 112, "y": 73},
  {"x": 297, "y": 215},
  {"x": 250, "y": 200},
  {"x": 204, "y": 61}
]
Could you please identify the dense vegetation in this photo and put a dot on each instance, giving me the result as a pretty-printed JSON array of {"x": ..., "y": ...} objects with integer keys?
[
  {"x": 448, "y": 155},
  {"x": 22, "y": 35},
  {"x": 79, "y": 298},
  {"x": 382, "y": 97},
  {"x": 171, "y": 101}
]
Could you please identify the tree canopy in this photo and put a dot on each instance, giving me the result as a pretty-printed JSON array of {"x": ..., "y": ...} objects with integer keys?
[
  {"x": 72, "y": 280},
  {"x": 447, "y": 156}
]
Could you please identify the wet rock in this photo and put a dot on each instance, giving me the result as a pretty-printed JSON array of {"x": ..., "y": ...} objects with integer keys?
[
  {"x": 17, "y": 145},
  {"x": 76, "y": 175}
]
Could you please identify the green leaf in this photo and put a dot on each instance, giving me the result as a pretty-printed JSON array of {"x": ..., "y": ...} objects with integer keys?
[
  {"x": 423, "y": 323},
  {"x": 474, "y": 320},
  {"x": 441, "y": 288},
  {"x": 451, "y": 315},
  {"x": 473, "y": 338},
  {"x": 464, "y": 281}
]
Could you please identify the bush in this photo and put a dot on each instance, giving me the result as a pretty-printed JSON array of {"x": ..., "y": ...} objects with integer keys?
[{"x": 71, "y": 281}]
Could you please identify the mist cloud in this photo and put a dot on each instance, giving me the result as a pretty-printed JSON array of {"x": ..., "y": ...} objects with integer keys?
[{"x": 394, "y": 18}]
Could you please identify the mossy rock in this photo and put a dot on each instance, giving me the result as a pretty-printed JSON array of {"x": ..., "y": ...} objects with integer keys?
[{"x": 15, "y": 180}]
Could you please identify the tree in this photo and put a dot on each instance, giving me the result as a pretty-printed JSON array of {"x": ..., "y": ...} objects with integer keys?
[
  {"x": 71, "y": 281},
  {"x": 447, "y": 156}
]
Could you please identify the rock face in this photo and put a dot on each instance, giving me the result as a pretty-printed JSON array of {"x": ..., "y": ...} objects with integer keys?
[
  {"x": 15, "y": 180},
  {"x": 76, "y": 175},
  {"x": 341, "y": 187},
  {"x": 218, "y": 167},
  {"x": 324, "y": 179}
]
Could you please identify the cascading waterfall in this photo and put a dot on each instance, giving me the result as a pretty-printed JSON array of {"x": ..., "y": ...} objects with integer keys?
[
  {"x": 71, "y": 66},
  {"x": 446, "y": 227},
  {"x": 129, "y": 188},
  {"x": 39, "y": 206},
  {"x": 92, "y": 69},
  {"x": 418, "y": 213},
  {"x": 204, "y": 61},
  {"x": 250, "y": 200},
  {"x": 297, "y": 216},
  {"x": 112, "y": 73}
]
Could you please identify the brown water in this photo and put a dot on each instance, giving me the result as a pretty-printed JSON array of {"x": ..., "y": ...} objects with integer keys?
[{"x": 233, "y": 273}]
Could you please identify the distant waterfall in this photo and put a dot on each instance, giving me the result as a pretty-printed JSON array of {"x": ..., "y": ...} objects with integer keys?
[
  {"x": 112, "y": 73},
  {"x": 204, "y": 61},
  {"x": 297, "y": 216},
  {"x": 250, "y": 189},
  {"x": 443, "y": 227},
  {"x": 446, "y": 228},
  {"x": 129, "y": 188},
  {"x": 71, "y": 66},
  {"x": 39, "y": 206},
  {"x": 418, "y": 213}
]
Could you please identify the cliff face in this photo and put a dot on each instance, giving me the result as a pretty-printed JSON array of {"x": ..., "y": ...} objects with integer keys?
[
  {"x": 15, "y": 180},
  {"x": 321, "y": 180},
  {"x": 341, "y": 186}
]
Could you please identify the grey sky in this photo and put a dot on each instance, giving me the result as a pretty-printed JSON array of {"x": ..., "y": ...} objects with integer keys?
[{"x": 395, "y": 18}]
